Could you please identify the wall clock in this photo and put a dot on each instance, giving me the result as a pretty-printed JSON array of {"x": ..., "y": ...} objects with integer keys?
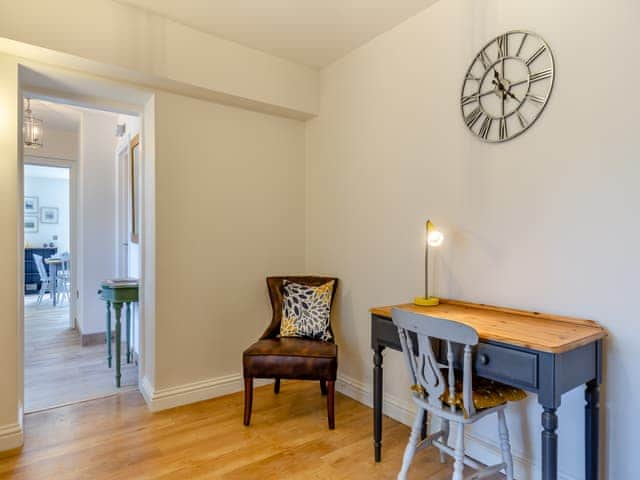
[{"x": 507, "y": 86}]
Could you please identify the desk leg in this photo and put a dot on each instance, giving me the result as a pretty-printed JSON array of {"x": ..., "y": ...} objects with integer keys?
[
  {"x": 128, "y": 332},
  {"x": 107, "y": 333},
  {"x": 549, "y": 444},
  {"x": 377, "y": 402},
  {"x": 591, "y": 430},
  {"x": 118, "y": 334}
]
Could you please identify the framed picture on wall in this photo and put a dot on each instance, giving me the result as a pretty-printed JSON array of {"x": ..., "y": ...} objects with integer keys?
[
  {"x": 49, "y": 215},
  {"x": 30, "y": 224},
  {"x": 31, "y": 205},
  {"x": 134, "y": 160}
]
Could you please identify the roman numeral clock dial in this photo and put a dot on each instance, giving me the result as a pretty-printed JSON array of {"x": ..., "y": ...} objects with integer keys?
[{"x": 507, "y": 86}]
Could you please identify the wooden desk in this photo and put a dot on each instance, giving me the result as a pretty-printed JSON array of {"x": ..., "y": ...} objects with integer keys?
[
  {"x": 543, "y": 354},
  {"x": 117, "y": 293}
]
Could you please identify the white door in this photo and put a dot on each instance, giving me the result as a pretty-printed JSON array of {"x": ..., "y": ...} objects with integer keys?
[{"x": 123, "y": 196}]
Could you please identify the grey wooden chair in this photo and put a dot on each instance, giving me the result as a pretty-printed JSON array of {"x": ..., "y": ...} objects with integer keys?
[{"x": 452, "y": 401}]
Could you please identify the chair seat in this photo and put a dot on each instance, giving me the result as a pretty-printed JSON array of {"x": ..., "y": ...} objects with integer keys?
[
  {"x": 292, "y": 358},
  {"x": 486, "y": 394}
]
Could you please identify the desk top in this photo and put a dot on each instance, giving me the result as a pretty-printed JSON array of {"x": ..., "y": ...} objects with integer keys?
[{"x": 533, "y": 330}]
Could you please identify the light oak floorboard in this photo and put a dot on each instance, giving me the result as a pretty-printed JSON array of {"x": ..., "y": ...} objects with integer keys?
[
  {"x": 57, "y": 369},
  {"x": 118, "y": 437}
]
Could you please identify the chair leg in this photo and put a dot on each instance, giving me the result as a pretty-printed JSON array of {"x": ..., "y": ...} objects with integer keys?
[
  {"x": 445, "y": 438},
  {"x": 458, "y": 465},
  {"x": 323, "y": 387},
  {"x": 505, "y": 445},
  {"x": 410, "y": 450},
  {"x": 331, "y": 393},
  {"x": 276, "y": 386},
  {"x": 248, "y": 399}
]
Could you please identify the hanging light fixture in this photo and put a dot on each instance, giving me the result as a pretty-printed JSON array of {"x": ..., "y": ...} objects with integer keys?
[{"x": 31, "y": 128}]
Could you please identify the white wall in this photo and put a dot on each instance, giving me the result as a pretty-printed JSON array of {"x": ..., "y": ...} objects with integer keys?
[
  {"x": 97, "y": 215},
  {"x": 10, "y": 188},
  {"x": 545, "y": 222},
  {"x": 229, "y": 212},
  {"x": 57, "y": 144},
  {"x": 51, "y": 192}
]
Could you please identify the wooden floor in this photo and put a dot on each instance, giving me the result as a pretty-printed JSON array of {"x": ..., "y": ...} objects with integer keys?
[
  {"x": 118, "y": 438},
  {"x": 57, "y": 369}
]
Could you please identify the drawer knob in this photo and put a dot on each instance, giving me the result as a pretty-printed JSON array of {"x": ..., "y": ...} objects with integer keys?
[{"x": 484, "y": 359}]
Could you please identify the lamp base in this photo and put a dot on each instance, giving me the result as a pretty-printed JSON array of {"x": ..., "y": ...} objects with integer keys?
[{"x": 426, "y": 301}]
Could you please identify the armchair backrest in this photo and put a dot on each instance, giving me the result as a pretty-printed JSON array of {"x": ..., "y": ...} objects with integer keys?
[
  {"x": 276, "y": 295},
  {"x": 424, "y": 369}
]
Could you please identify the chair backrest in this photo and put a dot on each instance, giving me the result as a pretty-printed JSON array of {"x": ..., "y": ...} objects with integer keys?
[
  {"x": 40, "y": 266},
  {"x": 276, "y": 296},
  {"x": 424, "y": 369}
]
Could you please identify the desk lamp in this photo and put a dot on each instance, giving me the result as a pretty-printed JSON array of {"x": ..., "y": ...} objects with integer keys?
[{"x": 434, "y": 239}]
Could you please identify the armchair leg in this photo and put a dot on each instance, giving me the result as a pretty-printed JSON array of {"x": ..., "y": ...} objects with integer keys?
[
  {"x": 276, "y": 386},
  {"x": 248, "y": 399},
  {"x": 323, "y": 387},
  {"x": 331, "y": 390}
]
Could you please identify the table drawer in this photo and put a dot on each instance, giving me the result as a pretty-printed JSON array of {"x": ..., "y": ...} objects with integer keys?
[{"x": 507, "y": 365}]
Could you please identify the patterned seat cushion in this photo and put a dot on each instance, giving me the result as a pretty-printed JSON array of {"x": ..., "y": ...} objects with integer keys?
[
  {"x": 486, "y": 394},
  {"x": 306, "y": 310}
]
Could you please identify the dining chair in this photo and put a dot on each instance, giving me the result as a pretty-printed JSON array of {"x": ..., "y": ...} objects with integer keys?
[
  {"x": 64, "y": 277},
  {"x": 279, "y": 357},
  {"x": 45, "y": 279},
  {"x": 449, "y": 393}
]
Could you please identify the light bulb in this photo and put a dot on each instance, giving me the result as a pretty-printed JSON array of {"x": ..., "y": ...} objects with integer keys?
[{"x": 435, "y": 238}]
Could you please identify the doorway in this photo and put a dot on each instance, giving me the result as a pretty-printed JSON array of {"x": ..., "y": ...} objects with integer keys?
[{"x": 73, "y": 217}]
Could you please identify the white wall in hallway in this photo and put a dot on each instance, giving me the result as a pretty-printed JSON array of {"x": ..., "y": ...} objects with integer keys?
[
  {"x": 97, "y": 215},
  {"x": 51, "y": 192}
]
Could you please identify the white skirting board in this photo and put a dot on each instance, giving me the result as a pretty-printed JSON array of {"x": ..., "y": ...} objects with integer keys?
[
  {"x": 483, "y": 449},
  {"x": 11, "y": 436},
  {"x": 170, "y": 397}
]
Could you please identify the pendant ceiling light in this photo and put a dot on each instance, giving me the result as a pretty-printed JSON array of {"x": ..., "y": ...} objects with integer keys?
[{"x": 31, "y": 128}]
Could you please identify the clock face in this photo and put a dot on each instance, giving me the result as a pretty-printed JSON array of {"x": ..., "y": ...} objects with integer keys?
[{"x": 507, "y": 86}]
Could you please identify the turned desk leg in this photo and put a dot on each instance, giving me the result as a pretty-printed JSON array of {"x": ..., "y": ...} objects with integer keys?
[
  {"x": 549, "y": 444},
  {"x": 107, "y": 333},
  {"x": 128, "y": 332},
  {"x": 118, "y": 334},
  {"x": 591, "y": 430},
  {"x": 377, "y": 402}
]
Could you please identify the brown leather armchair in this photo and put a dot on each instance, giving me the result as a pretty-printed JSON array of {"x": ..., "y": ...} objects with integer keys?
[{"x": 290, "y": 358}]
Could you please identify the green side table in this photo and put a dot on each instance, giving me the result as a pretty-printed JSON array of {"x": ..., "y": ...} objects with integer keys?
[{"x": 116, "y": 293}]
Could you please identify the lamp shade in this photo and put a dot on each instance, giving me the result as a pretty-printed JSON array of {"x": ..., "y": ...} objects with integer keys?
[
  {"x": 31, "y": 128},
  {"x": 434, "y": 236}
]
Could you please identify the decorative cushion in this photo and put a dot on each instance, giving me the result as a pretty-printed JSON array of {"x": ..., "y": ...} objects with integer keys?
[
  {"x": 486, "y": 394},
  {"x": 306, "y": 310}
]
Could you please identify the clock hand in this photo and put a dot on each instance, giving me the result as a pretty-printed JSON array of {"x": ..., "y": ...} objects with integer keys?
[{"x": 513, "y": 96}]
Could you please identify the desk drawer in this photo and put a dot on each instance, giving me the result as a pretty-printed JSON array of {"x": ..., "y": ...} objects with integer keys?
[{"x": 507, "y": 365}]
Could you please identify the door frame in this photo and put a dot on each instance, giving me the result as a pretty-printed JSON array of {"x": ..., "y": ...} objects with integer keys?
[{"x": 73, "y": 212}]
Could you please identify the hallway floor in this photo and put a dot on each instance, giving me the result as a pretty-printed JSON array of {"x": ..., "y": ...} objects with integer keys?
[{"x": 58, "y": 370}]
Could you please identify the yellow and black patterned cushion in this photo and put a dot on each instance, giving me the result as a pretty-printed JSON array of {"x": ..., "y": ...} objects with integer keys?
[
  {"x": 306, "y": 310},
  {"x": 486, "y": 394}
]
